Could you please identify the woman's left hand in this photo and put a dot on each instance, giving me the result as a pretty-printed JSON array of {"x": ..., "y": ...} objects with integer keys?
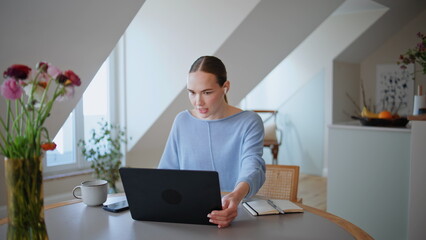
[{"x": 230, "y": 202}]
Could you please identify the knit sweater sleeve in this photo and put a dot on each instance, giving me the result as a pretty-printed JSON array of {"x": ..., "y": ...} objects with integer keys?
[
  {"x": 170, "y": 159},
  {"x": 252, "y": 164}
]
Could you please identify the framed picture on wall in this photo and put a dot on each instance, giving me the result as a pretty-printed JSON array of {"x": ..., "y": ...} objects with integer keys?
[{"x": 394, "y": 89}]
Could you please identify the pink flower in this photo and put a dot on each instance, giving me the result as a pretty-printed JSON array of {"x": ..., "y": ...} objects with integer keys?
[
  {"x": 48, "y": 71},
  {"x": 53, "y": 71},
  {"x": 11, "y": 89}
]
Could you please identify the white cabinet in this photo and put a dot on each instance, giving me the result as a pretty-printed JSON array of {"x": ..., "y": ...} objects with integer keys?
[
  {"x": 368, "y": 178},
  {"x": 417, "y": 193}
]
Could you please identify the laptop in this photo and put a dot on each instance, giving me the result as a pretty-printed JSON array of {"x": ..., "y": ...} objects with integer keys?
[{"x": 164, "y": 195}]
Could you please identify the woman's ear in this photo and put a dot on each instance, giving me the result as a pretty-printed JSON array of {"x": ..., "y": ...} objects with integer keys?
[{"x": 226, "y": 87}]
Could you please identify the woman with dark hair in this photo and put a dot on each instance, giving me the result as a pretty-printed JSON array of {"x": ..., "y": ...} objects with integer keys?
[{"x": 217, "y": 136}]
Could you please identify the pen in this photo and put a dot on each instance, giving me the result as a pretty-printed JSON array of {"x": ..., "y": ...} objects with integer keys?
[{"x": 275, "y": 206}]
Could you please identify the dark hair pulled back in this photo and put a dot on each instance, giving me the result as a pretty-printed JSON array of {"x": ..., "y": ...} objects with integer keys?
[{"x": 213, "y": 65}]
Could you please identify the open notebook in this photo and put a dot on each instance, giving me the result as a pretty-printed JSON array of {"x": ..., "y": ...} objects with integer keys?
[{"x": 259, "y": 207}]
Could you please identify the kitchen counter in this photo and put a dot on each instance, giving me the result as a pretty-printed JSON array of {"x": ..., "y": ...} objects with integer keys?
[
  {"x": 368, "y": 177},
  {"x": 356, "y": 125}
]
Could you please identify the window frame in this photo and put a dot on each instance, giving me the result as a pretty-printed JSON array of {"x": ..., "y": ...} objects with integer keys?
[{"x": 80, "y": 163}]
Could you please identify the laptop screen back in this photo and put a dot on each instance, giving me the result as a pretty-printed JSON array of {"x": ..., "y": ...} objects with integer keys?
[{"x": 181, "y": 196}]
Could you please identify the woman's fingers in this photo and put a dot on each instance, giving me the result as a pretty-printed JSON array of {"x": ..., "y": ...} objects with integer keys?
[{"x": 224, "y": 217}]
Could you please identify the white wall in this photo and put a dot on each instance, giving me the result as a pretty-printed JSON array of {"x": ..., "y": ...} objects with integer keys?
[
  {"x": 335, "y": 34},
  {"x": 398, "y": 15},
  {"x": 302, "y": 120},
  {"x": 301, "y": 67},
  {"x": 346, "y": 86}
]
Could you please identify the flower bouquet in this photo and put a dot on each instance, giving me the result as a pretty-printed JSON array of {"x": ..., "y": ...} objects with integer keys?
[
  {"x": 30, "y": 96},
  {"x": 415, "y": 55}
]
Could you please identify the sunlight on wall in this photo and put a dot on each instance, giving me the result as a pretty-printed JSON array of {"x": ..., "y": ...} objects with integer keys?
[
  {"x": 290, "y": 78},
  {"x": 156, "y": 65}
]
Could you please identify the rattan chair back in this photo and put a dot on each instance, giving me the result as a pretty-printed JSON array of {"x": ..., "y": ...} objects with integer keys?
[{"x": 281, "y": 182}]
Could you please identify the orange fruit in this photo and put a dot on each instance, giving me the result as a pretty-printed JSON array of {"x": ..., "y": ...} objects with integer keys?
[{"x": 385, "y": 115}]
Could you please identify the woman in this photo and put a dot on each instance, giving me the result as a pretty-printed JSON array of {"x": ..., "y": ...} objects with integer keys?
[{"x": 217, "y": 136}]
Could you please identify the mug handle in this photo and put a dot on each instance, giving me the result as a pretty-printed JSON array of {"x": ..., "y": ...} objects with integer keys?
[{"x": 73, "y": 192}]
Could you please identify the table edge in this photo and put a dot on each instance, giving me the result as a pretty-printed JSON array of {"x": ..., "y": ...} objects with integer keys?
[{"x": 349, "y": 227}]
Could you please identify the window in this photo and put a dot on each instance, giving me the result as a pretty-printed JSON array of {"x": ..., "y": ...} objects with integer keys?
[
  {"x": 93, "y": 107},
  {"x": 63, "y": 154},
  {"x": 95, "y": 100}
]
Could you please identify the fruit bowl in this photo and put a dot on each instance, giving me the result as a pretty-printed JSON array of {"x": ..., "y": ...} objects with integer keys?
[{"x": 378, "y": 122}]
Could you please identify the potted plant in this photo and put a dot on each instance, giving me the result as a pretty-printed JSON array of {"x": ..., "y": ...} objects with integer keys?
[{"x": 103, "y": 150}]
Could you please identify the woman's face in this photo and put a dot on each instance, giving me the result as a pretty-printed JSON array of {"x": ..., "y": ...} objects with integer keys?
[{"x": 206, "y": 95}]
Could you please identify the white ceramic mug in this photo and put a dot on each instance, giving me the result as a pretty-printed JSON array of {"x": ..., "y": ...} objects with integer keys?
[{"x": 93, "y": 192}]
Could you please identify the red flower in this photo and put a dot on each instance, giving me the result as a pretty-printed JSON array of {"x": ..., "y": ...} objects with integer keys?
[
  {"x": 49, "y": 146},
  {"x": 68, "y": 78},
  {"x": 42, "y": 67},
  {"x": 75, "y": 80},
  {"x": 17, "y": 71},
  {"x": 61, "y": 78}
]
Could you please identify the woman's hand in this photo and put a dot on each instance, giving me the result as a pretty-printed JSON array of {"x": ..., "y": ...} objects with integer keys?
[{"x": 230, "y": 202}]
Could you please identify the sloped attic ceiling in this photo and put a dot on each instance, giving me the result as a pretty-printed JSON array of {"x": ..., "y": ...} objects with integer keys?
[{"x": 77, "y": 35}]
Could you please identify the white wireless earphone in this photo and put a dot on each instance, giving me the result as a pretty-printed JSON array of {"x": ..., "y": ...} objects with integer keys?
[{"x": 226, "y": 90}]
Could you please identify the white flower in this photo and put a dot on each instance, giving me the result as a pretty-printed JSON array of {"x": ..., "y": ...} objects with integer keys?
[{"x": 37, "y": 94}]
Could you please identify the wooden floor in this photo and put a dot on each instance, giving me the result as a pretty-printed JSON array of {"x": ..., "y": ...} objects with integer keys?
[{"x": 313, "y": 191}]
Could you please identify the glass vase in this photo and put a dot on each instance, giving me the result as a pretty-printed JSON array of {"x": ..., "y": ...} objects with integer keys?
[{"x": 24, "y": 183}]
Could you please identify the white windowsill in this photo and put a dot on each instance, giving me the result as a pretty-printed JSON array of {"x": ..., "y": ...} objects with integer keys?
[{"x": 56, "y": 176}]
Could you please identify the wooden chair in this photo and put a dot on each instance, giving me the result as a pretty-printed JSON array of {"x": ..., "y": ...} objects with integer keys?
[
  {"x": 281, "y": 182},
  {"x": 271, "y": 140}
]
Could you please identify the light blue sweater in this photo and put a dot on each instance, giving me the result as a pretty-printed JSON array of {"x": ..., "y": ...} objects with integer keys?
[{"x": 232, "y": 146}]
